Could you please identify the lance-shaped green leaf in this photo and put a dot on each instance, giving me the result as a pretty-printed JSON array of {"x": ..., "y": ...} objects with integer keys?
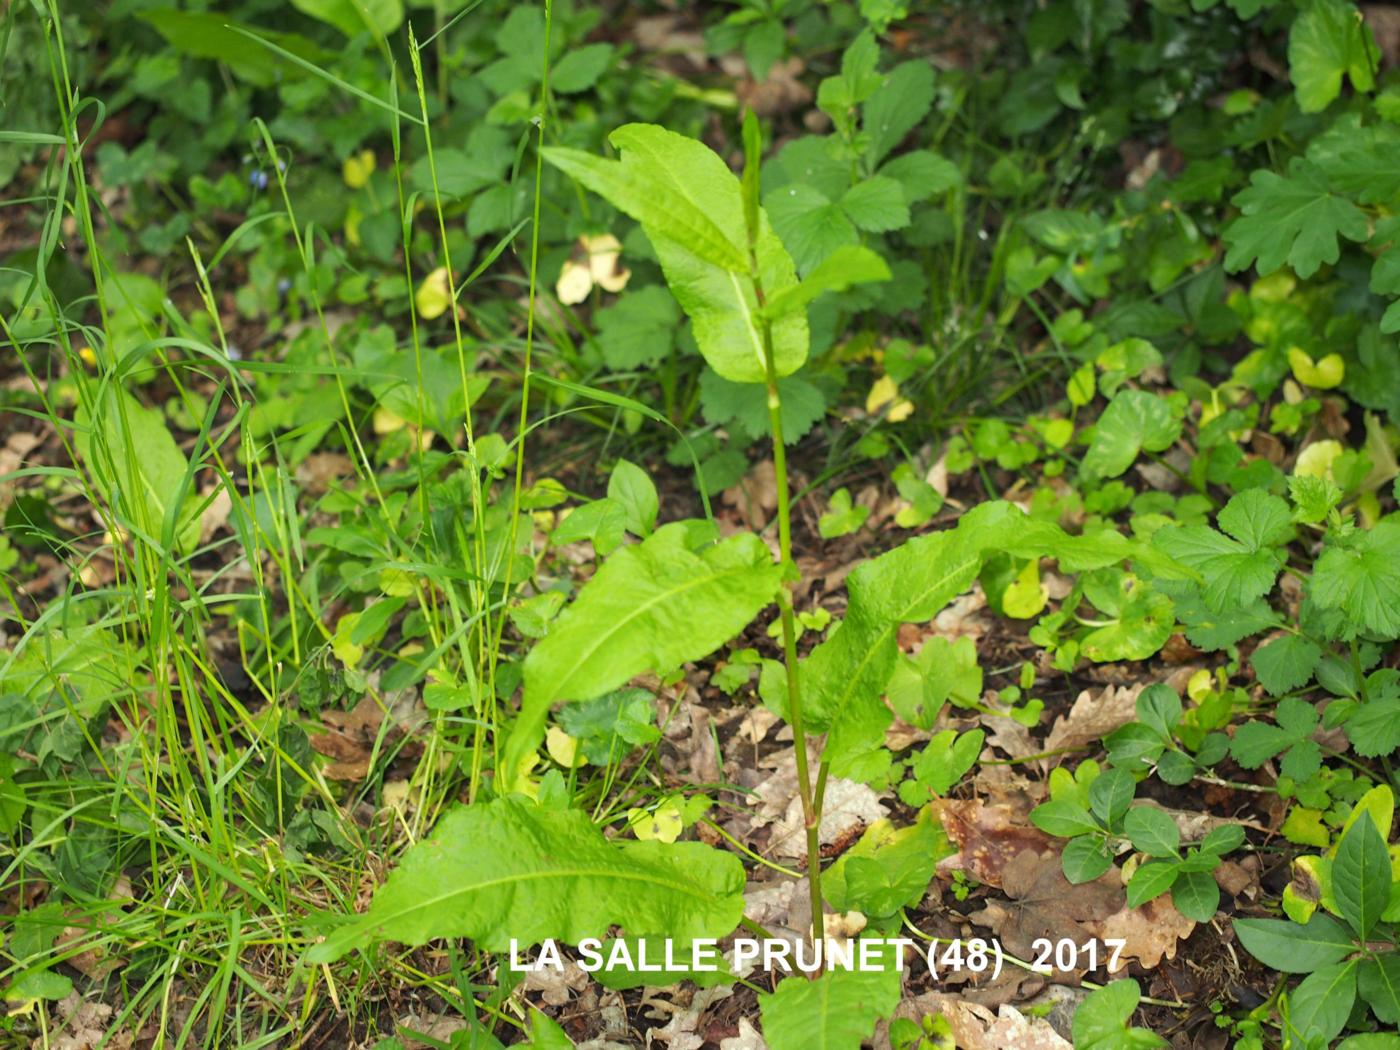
[
  {"x": 1292, "y": 948},
  {"x": 837, "y": 1011},
  {"x": 137, "y": 465},
  {"x": 654, "y": 201},
  {"x": 847, "y": 266},
  {"x": 691, "y": 209},
  {"x": 513, "y": 870},
  {"x": 651, "y": 607},
  {"x": 843, "y": 678}
]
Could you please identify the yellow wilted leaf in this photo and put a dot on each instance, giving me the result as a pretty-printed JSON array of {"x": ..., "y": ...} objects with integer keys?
[
  {"x": 1320, "y": 375},
  {"x": 434, "y": 295},
  {"x": 358, "y": 168},
  {"x": 574, "y": 284},
  {"x": 663, "y": 825},
  {"x": 885, "y": 391},
  {"x": 1026, "y": 596},
  {"x": 594, "y": 263},
  {"x": 386, "y": 422},
  {"x": 563, "y": 748},
  {"x": 1315, "y": 461}
]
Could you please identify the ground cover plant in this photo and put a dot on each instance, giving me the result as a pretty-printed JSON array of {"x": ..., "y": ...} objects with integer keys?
[{"x": 528, "y": 523}]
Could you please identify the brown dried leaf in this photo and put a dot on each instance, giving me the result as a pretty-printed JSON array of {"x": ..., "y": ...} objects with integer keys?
[
  {"x": 988, "y": 836},
  {"x": 1093, "y": 716},
  {"x": 1151, "y": 931},
  {"x": 1043, "y": 903}
]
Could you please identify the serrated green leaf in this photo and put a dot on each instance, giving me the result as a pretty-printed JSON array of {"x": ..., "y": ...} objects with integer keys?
[
  {"x": 1285, "y": 663},
  {"x": 876, "y": 205},
  {"x": 923, "y": 174},
  {"x": 1361, "y": 577},
  {"x": 900, "y": 102},
  {"x": 511, "y": 870},
  {"x": 1241, "y": 566},
  {"x": 810, "y": 224},
  {"x": 1294, "y": 218},
  {"x": 1374, "y": 727},
  {"x": 639, "y": 329}
]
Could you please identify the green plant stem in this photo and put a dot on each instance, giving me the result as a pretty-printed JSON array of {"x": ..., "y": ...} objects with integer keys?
[{"x": 811, "y": 810}]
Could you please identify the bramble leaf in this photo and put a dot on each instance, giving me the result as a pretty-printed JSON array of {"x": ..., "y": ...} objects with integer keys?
[{"x": 1361, "y": 576}]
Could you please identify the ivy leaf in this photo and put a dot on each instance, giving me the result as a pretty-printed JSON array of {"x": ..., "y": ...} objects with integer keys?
[
  {"x": 1134, "y": 420},
  {"x": 651, "y": 607},
  {"x": 837, "y": 1011},
  {"x": 1101, "y": 1020},
  {"x": 1361, "y": 577},
  {"x": 1242, "y": 563},
  {"x": 512, "y": 870},
  {"x": 1329, "y": 39},
  {"x": 1285, "y": 663},
  {"x": 1294, "y": 219},
  {"x": 946, "y": 758}
]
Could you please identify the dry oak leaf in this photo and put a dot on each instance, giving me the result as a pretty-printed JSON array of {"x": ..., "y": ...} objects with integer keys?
[
  {"x": 977, "y": 1028},
  {"x": 1043, "y": 904},
  {"x": 1150, "y": 932},
  {"x": 988, "y": 836},
  {"x": 1094, "y": 716},
  {"x": 848, "y": 809}
]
